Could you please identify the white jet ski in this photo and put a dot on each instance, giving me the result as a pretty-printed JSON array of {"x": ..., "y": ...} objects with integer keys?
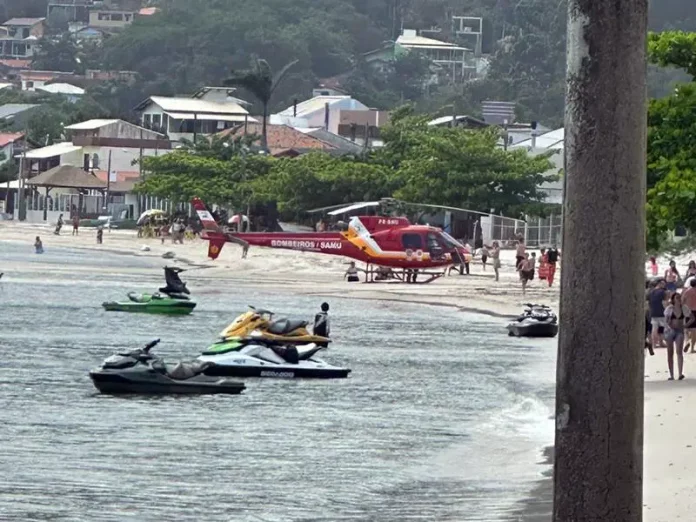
[{"x": 251, "y": 358}]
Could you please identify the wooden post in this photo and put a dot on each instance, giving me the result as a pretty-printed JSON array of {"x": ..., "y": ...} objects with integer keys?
[{"x": 599, "y": 396}]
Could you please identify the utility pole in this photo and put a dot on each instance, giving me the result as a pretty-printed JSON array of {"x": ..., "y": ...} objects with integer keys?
[
  {"x": 598, "y": 469},
  {"x": 108, "y": 184}
]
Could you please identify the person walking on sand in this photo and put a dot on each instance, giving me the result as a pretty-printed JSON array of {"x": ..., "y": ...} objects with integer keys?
[
  {"x": 520, "y": 254},
  {"x": 352, "y": 273},
  {"x": 59, "y": 225},
  {"x": 688, "y": 298},
  {"x": 321, "y": 324},
  {"x": 484, "y": 256},
  {"x": 526, "y": 272},
  {"x": 38, "y": 246},
  {"x": 495, "y": 256},
  {"x": 543, "y": 265},
  {"x": 656, "y": 300},
  {"x": 76, "y": 225},
  {"x": 653, "y": 266},
  {"x": 672, "y": 276},
  {"x": 532, "y": 264},
  {"x": 552, "y": 256},
  {"x": 100, "y": 235},
  {"x": 678, "y": 317}
]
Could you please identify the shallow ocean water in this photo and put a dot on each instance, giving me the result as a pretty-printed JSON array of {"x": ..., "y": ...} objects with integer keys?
[{"x": 443, "y": 417}]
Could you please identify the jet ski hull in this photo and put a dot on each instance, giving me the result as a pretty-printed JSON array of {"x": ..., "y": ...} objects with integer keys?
[
  {"x": 522, "y": 329},
  {"x": 239, "y": 364},
  {"x": 149, "y": 382},
  {"x": 284, "y": 372},
  {"x": 159, "y": 306}
]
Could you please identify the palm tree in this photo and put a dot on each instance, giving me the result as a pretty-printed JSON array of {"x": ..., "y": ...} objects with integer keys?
[{"x": 260, "y": 81}]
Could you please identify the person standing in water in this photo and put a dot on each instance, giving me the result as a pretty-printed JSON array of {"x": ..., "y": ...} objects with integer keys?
[
  {"x": 678, "y": 317},
  {"x": 321, "y": 323},
  {"x": 38, "y": 246}
]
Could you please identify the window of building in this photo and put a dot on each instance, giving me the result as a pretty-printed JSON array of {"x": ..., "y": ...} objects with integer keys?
[
  {"x": 29, "y": 86},
  {"x": 147, "y": 120},
  {"x": 104, "y": 16},
  {"x": 127, "y": 17},
  {"x": 116, "y": 17},
  {"x": 156, "y": 121}
]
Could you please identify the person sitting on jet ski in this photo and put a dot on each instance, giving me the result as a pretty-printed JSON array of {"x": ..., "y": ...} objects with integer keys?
[
  {"x": 321, "y": 323},
  {"x": 174, "y": 283}
]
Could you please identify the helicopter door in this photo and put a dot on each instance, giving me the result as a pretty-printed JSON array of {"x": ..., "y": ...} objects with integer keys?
[{"x": 435, "y": 246}]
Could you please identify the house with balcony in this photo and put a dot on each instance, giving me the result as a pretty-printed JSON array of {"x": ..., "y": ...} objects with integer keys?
[
  {"x": 19, "y": 38},
  {"x": 110, "y": 18},
  {"x": 187, "y": 118}
]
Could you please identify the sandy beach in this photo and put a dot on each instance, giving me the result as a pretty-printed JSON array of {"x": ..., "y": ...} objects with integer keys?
[{"x": 670, "y": 422}]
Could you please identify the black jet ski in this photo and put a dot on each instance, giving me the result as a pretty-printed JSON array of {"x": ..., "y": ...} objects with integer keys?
[
  {"x": 535, "y": 321},
  {"x": 141, "y": 372}
]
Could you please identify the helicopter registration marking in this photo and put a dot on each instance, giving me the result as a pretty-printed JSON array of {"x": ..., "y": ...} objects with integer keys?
[{"x": 306, "y": 244}]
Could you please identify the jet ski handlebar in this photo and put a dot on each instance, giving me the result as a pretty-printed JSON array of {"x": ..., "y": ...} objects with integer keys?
[{"x": 149, "y": 346}]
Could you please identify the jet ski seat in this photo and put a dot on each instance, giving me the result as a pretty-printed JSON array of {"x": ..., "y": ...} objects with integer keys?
[
  {"x": 305, "y": 356},
  {"x": 182, "y": 370},
  {"x": 138, "y": 298},
  {"x": 288, "y": 353},
  {"x": 285, "y": 326}
]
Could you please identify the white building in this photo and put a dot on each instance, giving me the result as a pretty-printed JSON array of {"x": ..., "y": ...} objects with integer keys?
[
  {"x": 320, "y": 111},
  {"x": 456, "y": 61},
  {"x": 549, "y": 141},
  {"x": 70, "y": 92},
  {"x": 184, "y": 118}
]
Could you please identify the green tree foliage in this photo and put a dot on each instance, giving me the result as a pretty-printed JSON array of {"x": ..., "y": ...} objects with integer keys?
[
  {"x": 461, "y": 168},
  {"x": 418, "y": 163},
  {"x": 58, "y": 54},
  {"x": 671, "y": 138}
]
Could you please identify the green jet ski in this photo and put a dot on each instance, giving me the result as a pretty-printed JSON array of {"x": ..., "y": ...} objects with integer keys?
[{"x": 171, "y": 299}]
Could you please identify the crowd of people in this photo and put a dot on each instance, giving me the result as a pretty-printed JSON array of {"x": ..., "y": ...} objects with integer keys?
[{"x": 670, "y": 313}]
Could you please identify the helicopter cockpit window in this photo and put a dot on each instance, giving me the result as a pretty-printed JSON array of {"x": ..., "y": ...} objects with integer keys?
[{"x": 412, "y": 242}]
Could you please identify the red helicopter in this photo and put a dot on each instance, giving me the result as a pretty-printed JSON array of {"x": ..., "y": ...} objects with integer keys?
[{"x": 389, "y": 242}]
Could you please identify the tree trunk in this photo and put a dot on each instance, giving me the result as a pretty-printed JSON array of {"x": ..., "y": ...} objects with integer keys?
[
  {"x": 599, "y": 395},
  {"x": 264, "y": 132}
]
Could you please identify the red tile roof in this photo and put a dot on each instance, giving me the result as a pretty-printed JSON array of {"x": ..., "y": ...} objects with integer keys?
[
  {"x": 16, "y": 63},
  {"x": 280, "y": 137},
  {"x": 9, "y": 137},
  {"x": 148, "y": 11}
]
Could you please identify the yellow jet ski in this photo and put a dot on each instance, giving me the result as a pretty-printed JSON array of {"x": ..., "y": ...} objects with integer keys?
[{"x": 259, "y": 325}]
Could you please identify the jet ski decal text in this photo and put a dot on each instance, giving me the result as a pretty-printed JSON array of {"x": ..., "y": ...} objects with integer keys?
[
  {"x": 306, "y": 244},
  {"x": 284, "y": 375}
]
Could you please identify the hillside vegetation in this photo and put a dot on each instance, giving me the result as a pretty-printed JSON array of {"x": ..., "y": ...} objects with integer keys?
[{"x": 191, "y": 43}]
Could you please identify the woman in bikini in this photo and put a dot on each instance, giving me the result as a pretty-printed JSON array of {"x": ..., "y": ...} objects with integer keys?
[{"x": 678, "y": 317}]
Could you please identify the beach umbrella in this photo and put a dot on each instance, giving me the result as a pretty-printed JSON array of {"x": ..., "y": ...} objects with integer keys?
[{"x": 148, "y": 213}]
